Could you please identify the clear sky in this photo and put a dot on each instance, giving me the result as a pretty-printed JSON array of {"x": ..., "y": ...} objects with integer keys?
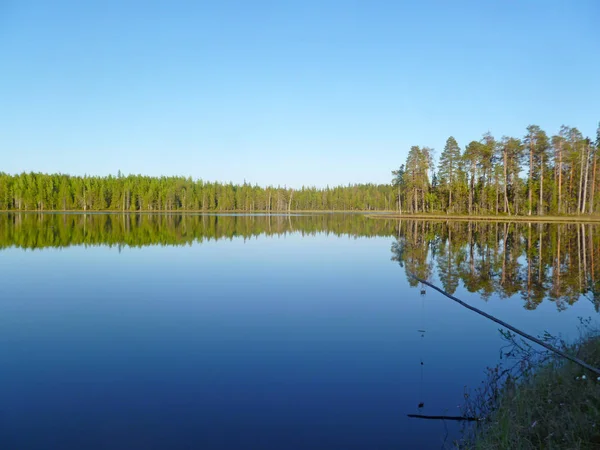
[{"x": 310, "y": 92}]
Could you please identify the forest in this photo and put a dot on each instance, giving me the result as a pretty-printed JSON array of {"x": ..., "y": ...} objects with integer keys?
[
  {"x": 535, "y": 174},
  {"x": 58, "y": 192}
]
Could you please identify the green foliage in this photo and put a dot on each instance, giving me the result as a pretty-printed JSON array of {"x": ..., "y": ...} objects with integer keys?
[
  {"x": 57, "y": 192},
  {"x": 550, "y": 403},
  {"x": 562, "y": 176},
  {"x": 416, "y": 178},
  {"x": 449, "y": 168}
]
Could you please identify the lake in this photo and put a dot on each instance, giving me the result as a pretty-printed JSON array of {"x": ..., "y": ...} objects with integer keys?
[{"x": 266, "y": 332}]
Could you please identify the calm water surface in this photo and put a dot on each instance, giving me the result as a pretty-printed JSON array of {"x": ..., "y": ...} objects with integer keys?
[{"x": 257, "y": 332}]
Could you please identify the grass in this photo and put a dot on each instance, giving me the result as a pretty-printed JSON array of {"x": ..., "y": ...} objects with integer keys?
[{"x": 554, "y": 406}]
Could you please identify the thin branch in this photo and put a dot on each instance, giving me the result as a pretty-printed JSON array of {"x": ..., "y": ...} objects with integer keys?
[{"x": 510, "y": 327}]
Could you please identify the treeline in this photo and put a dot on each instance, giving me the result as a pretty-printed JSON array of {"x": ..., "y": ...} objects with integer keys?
[
  {"x": 535, "y": 174},
  {"x": 57, "y": 192},
  {"x": 558, "y": 262}
]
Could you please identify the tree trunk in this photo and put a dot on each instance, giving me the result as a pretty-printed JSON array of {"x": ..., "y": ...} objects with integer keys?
[
  {"x": 559, "y": 176},
  {"x": 530, "y": 177},
  {"x": 571, "y": 175},
  {"x": 506, "y": 206},
  {"x": 579, "y": 194},
  {"x": 415, "y": 201},
  {"x": 593, "y": 191},
  {"x": 472, "y": 187},
  {"x": 541, "y": 205},
  {"x": 585, "y": 181},
  {"x": 497, "y": 195}
]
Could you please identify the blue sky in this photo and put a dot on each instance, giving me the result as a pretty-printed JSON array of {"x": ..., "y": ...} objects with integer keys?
[{"x": 284, "y": 92}]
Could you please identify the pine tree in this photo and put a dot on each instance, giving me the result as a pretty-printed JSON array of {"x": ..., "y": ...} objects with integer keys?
[{"x": 449, "y": 166}]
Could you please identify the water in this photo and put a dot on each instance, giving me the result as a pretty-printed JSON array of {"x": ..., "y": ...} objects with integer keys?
[{"x": 258, "y": 332}]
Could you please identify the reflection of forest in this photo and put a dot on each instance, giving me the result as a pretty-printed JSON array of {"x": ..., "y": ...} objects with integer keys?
[
  {"x": 540, "y": 260},
  {"x": 33, "y": 230},
  {"x": 537, "y": 261}
]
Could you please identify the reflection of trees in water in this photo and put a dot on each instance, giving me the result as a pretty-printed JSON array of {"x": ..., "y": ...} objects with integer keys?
[
  {"x": 534, "y": 260},
  {"x": 31, "y": 230},
  {"x": 412, "y": 248}
]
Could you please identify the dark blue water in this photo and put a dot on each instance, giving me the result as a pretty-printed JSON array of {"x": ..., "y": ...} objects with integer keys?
[{"x": 282, "y": 341}]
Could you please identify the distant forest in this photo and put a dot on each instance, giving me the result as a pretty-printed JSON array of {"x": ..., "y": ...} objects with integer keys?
[
  {"x": 137, "y": 193},
  {"x": 532, "y": 175}
]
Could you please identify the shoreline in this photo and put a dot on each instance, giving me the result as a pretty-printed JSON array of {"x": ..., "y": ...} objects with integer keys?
[
  {"x": 487, "y": 218},
  {"x": 553, "y": 405},
  {"x": 187, "y": 211},
  {"x": 388, "y": 215}
]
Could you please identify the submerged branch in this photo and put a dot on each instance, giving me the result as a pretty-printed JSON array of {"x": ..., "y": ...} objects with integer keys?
[{"x": 420, "y": 416}]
